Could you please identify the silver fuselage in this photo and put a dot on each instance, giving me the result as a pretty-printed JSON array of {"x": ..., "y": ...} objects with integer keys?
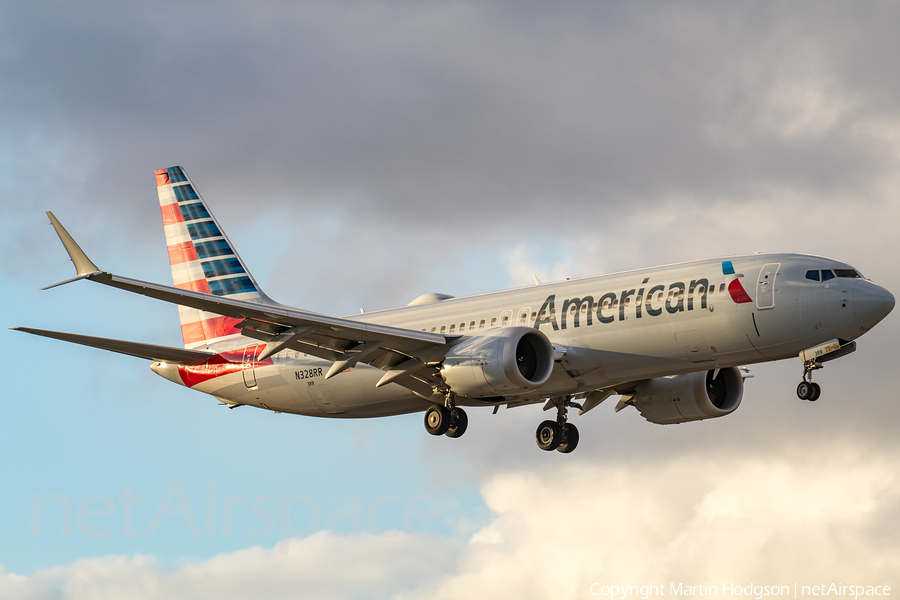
[{"x": 608, "y": 331}]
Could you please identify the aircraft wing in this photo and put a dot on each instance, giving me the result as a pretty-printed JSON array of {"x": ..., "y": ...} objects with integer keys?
[
  {"x": 408, "y": 356},
  {"x": 150, "y": 351},
  {"x": 339, "y": 332}
]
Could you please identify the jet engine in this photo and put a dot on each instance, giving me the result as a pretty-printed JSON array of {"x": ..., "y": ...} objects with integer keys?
[
  {"x": 690, "y": 397},
  {"x": 499, "y": 362}
]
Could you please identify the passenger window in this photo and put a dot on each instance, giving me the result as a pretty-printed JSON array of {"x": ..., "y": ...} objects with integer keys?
[
  {"x": 453, "y": 328},
  {"x": 472, "y": 326},
  {"x": 462, "y": 327},
  {"x": 505, "y": 320},
  {"x": 812, "y": 275},
  {"x": 493, "y": 322},
  {"x": 722, "y": 288},
  {"x": 481, "y": 324},
  {"x": 523, "y": 318},
  {"x": 827, "y": 274},
  {"x": 443, "y": 328},
  {"x": 584, "y": 309},
  {"x": 433, "y": 329},
  {"x": 627, "y": 302},
  {"x": 712, "y": 289}
]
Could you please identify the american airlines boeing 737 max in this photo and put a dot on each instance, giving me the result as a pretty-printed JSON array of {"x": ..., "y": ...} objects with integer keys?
[{"x": 672, "y": 341}]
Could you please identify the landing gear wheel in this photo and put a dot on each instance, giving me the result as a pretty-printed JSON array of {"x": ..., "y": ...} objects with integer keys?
[
  {"x": 816, "y": 392},
  {"x": 570, "y": 435},
  {"x": 805, "y": 390},
  {"x": 548, "y": 435},
  {"x": 437, "y": 420},
  {"x": 460, "y": 422}
]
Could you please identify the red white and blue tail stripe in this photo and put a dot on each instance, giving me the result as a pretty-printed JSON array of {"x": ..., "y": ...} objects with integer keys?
[{"x": 202, "y": 259}]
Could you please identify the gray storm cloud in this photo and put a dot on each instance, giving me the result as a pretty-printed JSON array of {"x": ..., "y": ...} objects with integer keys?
[{"x": 415, "y": 113}]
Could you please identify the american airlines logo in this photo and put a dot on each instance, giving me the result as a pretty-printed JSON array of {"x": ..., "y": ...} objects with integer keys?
[{"x": 674, "y": 298}]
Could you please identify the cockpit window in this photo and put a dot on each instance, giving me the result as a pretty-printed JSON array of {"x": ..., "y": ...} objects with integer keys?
[
  {"x": 813, "y": 275},
  {"x": 847, "y": 273},
  {"x": 827, "y": 274}
]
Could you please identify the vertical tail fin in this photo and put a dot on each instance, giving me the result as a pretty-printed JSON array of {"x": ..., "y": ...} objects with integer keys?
[{"x": 202, "y": 259}]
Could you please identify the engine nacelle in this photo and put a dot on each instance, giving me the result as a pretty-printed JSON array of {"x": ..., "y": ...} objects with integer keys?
[
  {"x": 499, "y": 362},
  {"x": 690, "y": 397}
]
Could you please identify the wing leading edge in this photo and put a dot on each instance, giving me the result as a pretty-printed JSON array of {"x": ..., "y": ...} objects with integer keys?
[{"x": 409, "y": 357}]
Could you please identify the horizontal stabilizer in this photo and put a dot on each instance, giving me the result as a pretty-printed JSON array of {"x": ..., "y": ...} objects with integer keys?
[{"x": 149, "y": 351}]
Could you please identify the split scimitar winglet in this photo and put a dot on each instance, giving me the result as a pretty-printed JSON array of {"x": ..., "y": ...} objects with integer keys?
[{"x": 83, "y": 265}]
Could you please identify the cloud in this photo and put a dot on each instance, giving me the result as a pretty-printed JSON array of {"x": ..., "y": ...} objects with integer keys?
[
  {"x": 776, "y": 518},
  {"x": 417, "y": 106},
  {"x": 825, "y": 512},
  {"x": 322, "y": 566}
]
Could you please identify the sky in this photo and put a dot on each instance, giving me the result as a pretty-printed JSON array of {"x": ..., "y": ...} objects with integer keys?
[{"x": 362, "y": 154}]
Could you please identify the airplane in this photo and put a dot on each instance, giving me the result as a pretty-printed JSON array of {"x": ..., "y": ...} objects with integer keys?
[{"x": 672, "y": 341}]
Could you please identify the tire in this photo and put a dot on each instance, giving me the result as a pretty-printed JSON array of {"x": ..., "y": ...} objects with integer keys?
[
  {"x": 548, "y": 435},
  {"x": 804, "y": 390},
  {"x": 460, "y": 422},
  {"x": 570, "y": 433},
  {"x": 437, "y": 420},
  {"x": 816, "y": 392}
]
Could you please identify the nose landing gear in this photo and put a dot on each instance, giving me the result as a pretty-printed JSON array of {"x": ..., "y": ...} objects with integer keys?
[
  {"x": 807, "y": 390},
  {"x": 813, "y": 358},
  {"x": 558, "y": 435}
]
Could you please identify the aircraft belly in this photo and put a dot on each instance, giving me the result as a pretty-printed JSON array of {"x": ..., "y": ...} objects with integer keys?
[
  {"x": 349, "y": 394},
  {"x": 270, "y": 391}
]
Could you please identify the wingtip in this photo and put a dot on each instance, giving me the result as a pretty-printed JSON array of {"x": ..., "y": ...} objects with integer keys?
[{"x": 83, "y": 264}]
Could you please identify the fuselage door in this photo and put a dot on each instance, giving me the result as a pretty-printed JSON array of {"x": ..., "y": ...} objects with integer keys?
[
  {"x": 765, "y": 289},
  {"x": 248, "y": 366}
]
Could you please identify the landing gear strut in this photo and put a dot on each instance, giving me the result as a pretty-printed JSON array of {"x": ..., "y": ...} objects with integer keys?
[
  {"x": 447, "y": 419},
  {"x": 558, "y": 435},
  {"x": 807, "y": 390}
]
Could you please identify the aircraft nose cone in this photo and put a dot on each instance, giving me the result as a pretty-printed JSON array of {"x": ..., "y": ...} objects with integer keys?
[{"x": 871, "y": 303}]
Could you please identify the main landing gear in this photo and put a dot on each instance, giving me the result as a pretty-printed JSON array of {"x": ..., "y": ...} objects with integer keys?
[
  {"x": 446, "y": 420},
  {"x": 558, "y": 435},
  {"x": 807, "y": 390}
]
